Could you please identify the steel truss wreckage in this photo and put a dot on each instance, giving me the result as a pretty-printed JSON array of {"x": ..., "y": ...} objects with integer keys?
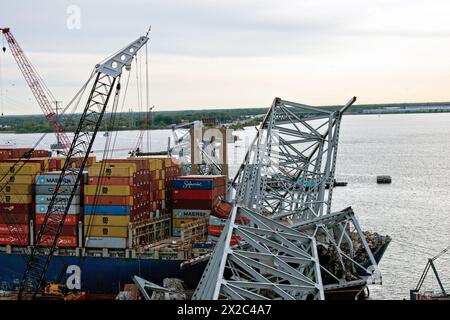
[
  {"x": 284, "y": 187},
  {"x": 270, "y": 261}
]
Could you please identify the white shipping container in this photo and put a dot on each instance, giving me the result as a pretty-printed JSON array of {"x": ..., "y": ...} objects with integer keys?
[{"x": 105, "y": 242}]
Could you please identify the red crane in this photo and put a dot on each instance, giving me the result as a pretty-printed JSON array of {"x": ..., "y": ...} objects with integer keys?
[{"x": 38, "y": 88}]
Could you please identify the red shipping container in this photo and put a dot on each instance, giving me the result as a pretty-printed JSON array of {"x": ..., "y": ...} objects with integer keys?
[
  {"x": 15, "y": 208},
  {"x": 5, "y": 229},
  {"x": 109, "y": 200},
  {"x": 14, "y": 241},
  {"x": 14, "y": 218},
  {"x": 66, "y": 231},
  {"x": 71, "y": 219},
  {"x": 46, "y": 241},
  {"x": 192, "y": 204},
  {"x": 193, "y": 194}
]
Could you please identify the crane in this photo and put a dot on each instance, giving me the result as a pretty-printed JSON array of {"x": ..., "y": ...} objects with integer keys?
[
  {"x": 38, "y": 88},
  {"x": 107, "y": 77}
]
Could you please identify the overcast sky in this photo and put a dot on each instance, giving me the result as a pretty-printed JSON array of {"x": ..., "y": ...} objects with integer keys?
[{"x": 231, "y": 54}]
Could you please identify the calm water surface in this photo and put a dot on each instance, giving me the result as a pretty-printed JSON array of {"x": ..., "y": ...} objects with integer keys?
[{"x": 414, "y": 210}]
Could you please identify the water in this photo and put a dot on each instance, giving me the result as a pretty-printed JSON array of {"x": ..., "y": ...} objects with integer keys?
[{"x": 413, "y": 210}]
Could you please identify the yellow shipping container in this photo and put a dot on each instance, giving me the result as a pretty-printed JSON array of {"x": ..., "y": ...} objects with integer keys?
[
  {"x": 156, "y": 164},
  {"x": 176, "y": 222},
  {"x": 163, "y": 175},
  {"x": 161, "y": 185},
  {"x": 19, "y": 199},
  {"x": 26, "y": 169},
  {"x": 106, "y": 220},
  {"x": 17, "y": 189},
  {"x": 163, "y": 194},
  {"x": 19, "y": 179},
  {"x": 116, "y": 170},
  {"x": 109, "y": 190},
  {"x": 103, "y": 231}
]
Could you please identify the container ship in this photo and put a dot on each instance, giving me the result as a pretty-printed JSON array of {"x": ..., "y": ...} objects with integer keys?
[{"x": 135, "y": 216}]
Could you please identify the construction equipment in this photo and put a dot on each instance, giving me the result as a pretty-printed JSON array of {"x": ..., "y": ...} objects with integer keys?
[
  {"x": 107, "y": 79},
  {"x": 38, "y": 88},
  {"x": 415, "y": 293}
]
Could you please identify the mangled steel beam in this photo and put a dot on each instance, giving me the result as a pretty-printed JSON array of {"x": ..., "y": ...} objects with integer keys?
[
  {"x": 268, "y": 261},
  {"x": 288, "y": 171}
]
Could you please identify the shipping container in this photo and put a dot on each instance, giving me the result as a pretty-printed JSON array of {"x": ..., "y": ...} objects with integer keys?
[
  {"x": 119, "y": 170},
  {"x": 193, "y": 204},
  {"x": 176, "y": 232},
  {"x": 107, "y": 180},
  {"x": 14, "y": 241},
  {"x": 17, "y": 189},
  {"x": 105, "y": 231},
  {"x": 222, "y": 209},
  {"x": 190, "y": 213},
  {"x": 14, "y": 218},
  {"x": 20, "y": 168},
  {"x": 194, "y": 194},
  {"x": 67, "y": 230},
  {"x": 109, "y": 200},
  {"x": 18, "y": 199},
  {"x": 105, "y": 242},
  {"x": 192, "y": 184},
  {"x": 5, "y": 229},
  {"x": 71, "y": 219},
  {"x": 46, "y": 198},
  {"x": 62, "y": 242},
  {"x": 108, "y": 190},
  {"x": 16, "y": 208},
  {"x": 107, "y": 210},
  {"x": 140, "y": 163},
  {"x": 41, "y": 162},
  {"x": 51, "y": 179},
  {"x": 46, "y": 189},
  {"x": 73, "y": 208},
  {"x": 106, "y": 220},
  {"x": 18, "y": 179}
]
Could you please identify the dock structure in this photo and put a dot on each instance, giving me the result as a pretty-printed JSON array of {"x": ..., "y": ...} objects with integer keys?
[{"x": 284, "y": 187}]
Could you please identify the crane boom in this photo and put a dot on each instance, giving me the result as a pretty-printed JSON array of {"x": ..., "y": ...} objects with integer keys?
[
  {"x": 37, "y": 88},
  {"x": 47, "y": 237}
]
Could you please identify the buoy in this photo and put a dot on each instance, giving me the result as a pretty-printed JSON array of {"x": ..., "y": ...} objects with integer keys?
[{"x": 384, "y": 179}]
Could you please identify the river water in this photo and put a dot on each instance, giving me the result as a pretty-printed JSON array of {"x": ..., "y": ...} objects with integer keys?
[{"x": 414, "y": 210}]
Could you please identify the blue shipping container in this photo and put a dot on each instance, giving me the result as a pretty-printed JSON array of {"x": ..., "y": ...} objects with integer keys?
[
  {"x": 176, "y": 232},
  {"x": 107, "y": 210},
  {"x": 192, "y": 184}
]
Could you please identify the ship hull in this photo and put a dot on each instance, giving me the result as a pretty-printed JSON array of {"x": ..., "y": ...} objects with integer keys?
[{"x": 99, "y": 274}]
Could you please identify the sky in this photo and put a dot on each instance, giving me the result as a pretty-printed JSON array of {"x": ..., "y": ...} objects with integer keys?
[{"x": 232, "y": 54}]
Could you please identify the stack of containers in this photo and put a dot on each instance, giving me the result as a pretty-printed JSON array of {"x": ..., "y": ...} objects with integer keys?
[
  {"x": 45, "y": 187},
  {"x": 194, "y": 197},
  {"x": 172, "y": 171},
  {"x": 18, "y": 200},
  {"x": 157, "y": 187},
  {"x": 117, "y": 190},
  {"x": 218, "y": 218}
]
